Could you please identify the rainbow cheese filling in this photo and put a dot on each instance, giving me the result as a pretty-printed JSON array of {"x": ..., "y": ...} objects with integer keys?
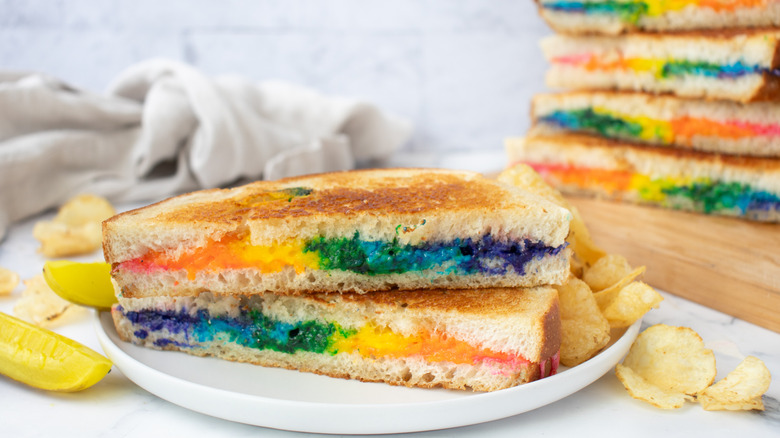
[
  {"x": 632, "y": 10},
  {"x": 460, "y": 256},
  {"x": 679, "y": 130},
  {"x": 663, "y": 68},
  {"x": 484, "y": 255},
  {"x": 695, "y": 194},
  {"x": 253, "y": 329}
]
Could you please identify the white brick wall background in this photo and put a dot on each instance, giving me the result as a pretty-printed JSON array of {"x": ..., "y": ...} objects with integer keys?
[{"x": 462, "y": 70}]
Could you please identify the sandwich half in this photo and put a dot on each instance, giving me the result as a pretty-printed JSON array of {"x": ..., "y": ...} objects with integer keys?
[
  {"x": 744, "y": 187},
  {"x": 482, "y": 340},
  {"x": 706, "y": 125},
  {"x": 618, "y": 16},
  {"x": 741, "y": 65},
  {"x": 352, "y": 231}
]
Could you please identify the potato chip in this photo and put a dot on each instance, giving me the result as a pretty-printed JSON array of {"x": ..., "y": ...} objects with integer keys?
[
  {"x": 740, "y": 390},
  {"x": 60, "y": 240},
  {"x": 41, "y": 306},
  {"x": 524, "y": 176},
  {"x": 673, "y": 359},
  {"x": 585, "y": 331},
  {"x": 84, "y": 209},
  {"x": 585, "y": 252},
  {"x": 580, "y": 241},
  {"x": 76, "y": 229},
  {"x": 576, "y": 266},
  {"x": 629, "y": 304},
  {"x": 756, "y": 404},
  {"x": 608, "y": 295},
  {"x": 641, "y": 389},
  {"x": 607, "y": 271},
  {"x": 8, "y": 281}
]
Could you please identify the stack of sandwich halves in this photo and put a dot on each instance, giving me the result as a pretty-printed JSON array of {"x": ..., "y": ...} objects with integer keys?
[
  {"x": 405, "y": 276},
  {"x": 674, "y": 104}
]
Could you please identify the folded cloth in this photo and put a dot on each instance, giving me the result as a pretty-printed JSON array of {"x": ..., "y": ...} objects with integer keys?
[{"x": 164, "y": 128}]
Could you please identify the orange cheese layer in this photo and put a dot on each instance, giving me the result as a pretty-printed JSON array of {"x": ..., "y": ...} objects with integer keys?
[
  {"x": 372, "y": 341},
  {"x": 232, "y": 253}
]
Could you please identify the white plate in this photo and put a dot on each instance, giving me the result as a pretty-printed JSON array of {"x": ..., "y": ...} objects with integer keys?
[{"x": 290, "y": 400}]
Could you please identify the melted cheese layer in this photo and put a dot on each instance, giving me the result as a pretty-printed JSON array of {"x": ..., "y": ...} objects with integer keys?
[
  {"x": 660, "y": 68},
  {"x": 632, "y": 10},
  {"x": 253, "y": 329},
  {"x": 697, "y": 194},
  {"x": 679, "y": 130},
  {"x": 460, "y": 256}
]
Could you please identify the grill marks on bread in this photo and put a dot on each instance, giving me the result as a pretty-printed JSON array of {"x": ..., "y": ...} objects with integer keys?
[{"x": 420, "y": 194}]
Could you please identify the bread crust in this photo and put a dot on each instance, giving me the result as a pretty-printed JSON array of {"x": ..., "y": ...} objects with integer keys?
[
  {"x": 338, "y": 195},
  {"x": 756, "y": 164},
  {"x": 335, "y": 199},
  {"x": 710, "y": 33},
  {"x": 615, "y": 94},
  {"x": 770, "y": 90}
]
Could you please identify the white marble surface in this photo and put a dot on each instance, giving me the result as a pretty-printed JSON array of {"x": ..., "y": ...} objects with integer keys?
[{"x": 117, "y": 407}]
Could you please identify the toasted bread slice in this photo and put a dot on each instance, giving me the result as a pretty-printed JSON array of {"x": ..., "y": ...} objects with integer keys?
[
  {"x": 710, "y": 126},
  {"x": 348, "y": 231},
  {"x": 613, "y": 17},
  {"x": 734, "y": 65},
  {"x": 483, "y": 340},
  {"x": 744, "y": 187}
]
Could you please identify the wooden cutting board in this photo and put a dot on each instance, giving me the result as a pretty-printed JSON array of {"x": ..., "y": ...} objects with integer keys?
[{"x": 730, "y": 265}]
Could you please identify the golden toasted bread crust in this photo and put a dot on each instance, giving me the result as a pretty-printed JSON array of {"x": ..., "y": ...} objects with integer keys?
[
  {"x": 339, "y": 196},
  {"x": 727, "y": 33},
  {"x": 753, "y": 163},
  {"x": 615, "y": 94},
  {"x": 486, "y": 302},
  {"x": 551, "y": 329}
]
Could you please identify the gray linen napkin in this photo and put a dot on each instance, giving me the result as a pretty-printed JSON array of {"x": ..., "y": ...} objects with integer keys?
[{"x": 164, "y": 128}]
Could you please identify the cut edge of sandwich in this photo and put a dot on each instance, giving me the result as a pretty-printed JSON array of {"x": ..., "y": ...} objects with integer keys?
[
  {"x": 484, "y": 340},
  {"x": 719, "y": 184},
  {"x": 706, "y": 125},
  {"x": 738, "y": 65}
]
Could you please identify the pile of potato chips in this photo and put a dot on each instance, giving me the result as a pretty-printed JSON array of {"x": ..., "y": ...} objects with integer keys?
[
  {"x": 75, "y": 230},
  {"x": 666, "y": 365},
  {"x": 601, "y": 293},
  {"x": 41, "y": 306}
]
